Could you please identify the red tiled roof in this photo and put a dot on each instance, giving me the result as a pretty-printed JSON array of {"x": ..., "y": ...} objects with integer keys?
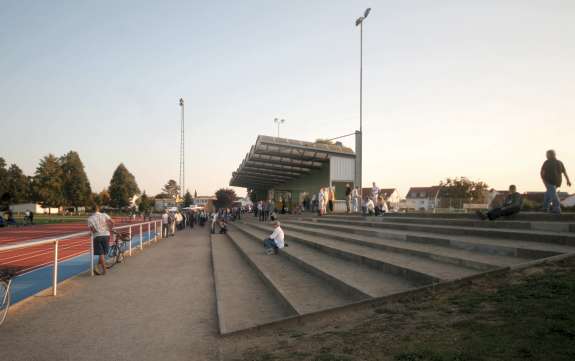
[{"x": 367, "y": 191}]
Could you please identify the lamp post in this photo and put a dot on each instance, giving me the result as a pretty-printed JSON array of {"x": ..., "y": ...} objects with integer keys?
[
  {"x": 359, "y": 136},
  {"x": 279, "y": 122}
]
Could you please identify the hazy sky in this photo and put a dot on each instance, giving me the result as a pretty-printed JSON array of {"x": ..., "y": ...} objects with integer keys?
[{"x": 452, "y": 88}]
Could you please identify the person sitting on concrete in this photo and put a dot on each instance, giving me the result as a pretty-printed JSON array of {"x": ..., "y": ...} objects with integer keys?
[
  {"x": 370, "y": 207},
  {"x": 223, "y": 226},
  {"x": 511, "y": 205},
  {"x": 275, "y": 241}
]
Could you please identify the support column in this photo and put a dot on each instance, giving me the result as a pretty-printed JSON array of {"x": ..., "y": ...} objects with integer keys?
[{"x": 358, "y": 159}]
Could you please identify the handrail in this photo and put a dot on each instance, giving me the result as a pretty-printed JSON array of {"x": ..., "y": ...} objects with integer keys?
[
  {"x": 42, "y": 241},
  {"x": 56, "y": 240}
]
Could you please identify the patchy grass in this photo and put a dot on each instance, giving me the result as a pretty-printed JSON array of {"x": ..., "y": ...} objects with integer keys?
[{"x": 526, "y": 315}]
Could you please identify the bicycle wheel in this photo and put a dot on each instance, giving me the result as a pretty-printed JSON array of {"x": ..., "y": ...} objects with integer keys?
[
  {"x": 112, "y": 256},
  {"x": 4, "y": 299}
]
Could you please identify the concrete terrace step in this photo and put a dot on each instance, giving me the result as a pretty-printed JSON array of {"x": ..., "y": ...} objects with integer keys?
[
  {"x": 305, "y": 292},
  {"x": 523, "y": 216},
  {"x": 562, "y": 238},
  {"x": 504, "y": 247},
  {"x": 417, "y": 269},
  {"x": 470, "y": 259},
  {"x": 368, "y": 281},
  {"x": 499, "y": 224},
  {"x": 242, "y": 299}
]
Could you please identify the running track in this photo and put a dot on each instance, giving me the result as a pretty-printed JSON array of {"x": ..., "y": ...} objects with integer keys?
[{"x": 27, "y": 259}]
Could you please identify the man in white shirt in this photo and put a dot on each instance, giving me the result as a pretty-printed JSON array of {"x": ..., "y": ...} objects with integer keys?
[
  {"x": 275, "y": 241},
  {"x": 165, "y": 224},
  {"x": 374, "y": 192},
  {"x": 100, "y": 225}
]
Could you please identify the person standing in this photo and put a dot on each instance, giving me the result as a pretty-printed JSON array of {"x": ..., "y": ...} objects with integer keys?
[
  {"x": 331, "y": 199},
  {"x": 100, "y": 225},
  {"x": 355, "y": 199},
  {"x": 552, "y": 172},
  {"x": 347, "y": 198},
  {"x": 165, "y": 223},
  {"x": 374, "y": 192},
  {"x": 321, "y": 202}
]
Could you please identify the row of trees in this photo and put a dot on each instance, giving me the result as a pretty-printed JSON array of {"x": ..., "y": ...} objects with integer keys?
[
  {"x": 57, "y": 181},
  {"x": 62, "y": 181}
]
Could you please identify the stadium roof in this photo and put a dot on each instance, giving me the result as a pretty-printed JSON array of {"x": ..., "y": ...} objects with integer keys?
[{"x": 273, "y": 161}]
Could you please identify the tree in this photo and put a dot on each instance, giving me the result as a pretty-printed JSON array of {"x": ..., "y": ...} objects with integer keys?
[
  {"x": 76, "y": 186},
  {"x": 48, "y": 182},
  {"x": 188, "y": 200},
  {"x": 146, "y": 203},
  {"x": 171, "y": 188},
  {"x": 122, "y": 187},
  {"x": 195, "y": 194},
  {"x": 463, "y": 190},
  {"x": 162, "y": 196},
  {"x": 225, "y": 197},
  {"x": 4, "y": 195},
  {"x": 17, "y": 186}
]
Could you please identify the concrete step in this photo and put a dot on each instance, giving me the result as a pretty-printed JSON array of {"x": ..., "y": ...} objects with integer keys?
[
  {"x": 462, "y": 257},
  {"x": 477, "y": 223},
  {"x": 243, "y": 300},
  {"x": 304, "y": 291},
  {"x": 496, "y": 246},
  {"x": 417, "y": 269},
  {"x": 365, "y": 280},
  {"x": 523, "y": 216},
  {"x": 561, "y": 238}
]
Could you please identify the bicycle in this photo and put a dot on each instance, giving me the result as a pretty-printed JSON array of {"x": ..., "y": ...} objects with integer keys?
[
  {"x": 6, "y": 276},
  {"x": 116, "y": 251}
]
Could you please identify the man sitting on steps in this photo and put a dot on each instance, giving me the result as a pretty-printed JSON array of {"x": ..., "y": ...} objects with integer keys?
[
  {"x": 511, "y": 205},
  {"x": 275, "y": 241}
]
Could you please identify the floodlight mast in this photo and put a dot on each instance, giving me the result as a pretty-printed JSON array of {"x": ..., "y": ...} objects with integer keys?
[{"x": 359, "y": 142}]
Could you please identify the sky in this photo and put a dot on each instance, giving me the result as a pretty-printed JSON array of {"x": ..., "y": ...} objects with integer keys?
[{"x": 451, "y": 88}]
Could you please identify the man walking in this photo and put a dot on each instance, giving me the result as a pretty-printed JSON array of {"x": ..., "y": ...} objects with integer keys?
[
  {"x": 552, "y": 173},
  {"x": 100, "y": 225},
  {"x": 165, "y": 224}
]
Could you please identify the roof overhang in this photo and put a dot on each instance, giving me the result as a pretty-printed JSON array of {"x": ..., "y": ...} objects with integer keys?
[{"x": 273, "y": 161}]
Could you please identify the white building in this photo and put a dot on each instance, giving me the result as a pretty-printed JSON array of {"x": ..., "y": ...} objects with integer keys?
[
  {"x": 422, "y": 198},
  {"x": 162, "y": 203},
  {"x": 34, "y": 207}
]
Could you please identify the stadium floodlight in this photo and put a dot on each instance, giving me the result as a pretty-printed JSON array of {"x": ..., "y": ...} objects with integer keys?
[{"x": 278, "y": 122}]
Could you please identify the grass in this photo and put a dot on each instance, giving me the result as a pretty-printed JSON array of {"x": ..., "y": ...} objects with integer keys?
[
  {"x": 51, "y": 219},
  {"x": 527, "y": 315}
]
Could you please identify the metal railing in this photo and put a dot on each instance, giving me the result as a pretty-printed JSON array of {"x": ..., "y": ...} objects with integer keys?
[{"x": 56, "y": 240}]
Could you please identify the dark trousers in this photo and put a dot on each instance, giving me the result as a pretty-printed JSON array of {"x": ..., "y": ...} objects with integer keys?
[
  {"x": 164, "y": 230},
  {"x": 502, "y": 212},
  {"x": 330, "y": 205}
]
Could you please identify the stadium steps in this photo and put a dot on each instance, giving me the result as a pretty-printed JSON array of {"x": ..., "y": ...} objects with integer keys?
[
  {"x": 495, "y": 246},
  {"x": 303, "y": 291},
  {"x": 416, "y": 269},
  {"x": 243, "y": 300},
  {"x": 469, "y": 259},
  {"x": 523, "y": 216},
  {"x": 499, "y": 224},
  {"x": 343, "y": 272},
  {"x": 559, "y": 238}
]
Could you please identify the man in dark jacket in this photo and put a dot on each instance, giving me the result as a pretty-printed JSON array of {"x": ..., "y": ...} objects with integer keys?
[
  {"x": 552, "y": 173},
  {"x": 511, "y": 205}
]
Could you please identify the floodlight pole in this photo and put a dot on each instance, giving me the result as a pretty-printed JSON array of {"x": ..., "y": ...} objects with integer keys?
[
  {"x": 182, "y": 153},
  {"x": 359, "y": 135},
  {"x": 278, "y": 122}
]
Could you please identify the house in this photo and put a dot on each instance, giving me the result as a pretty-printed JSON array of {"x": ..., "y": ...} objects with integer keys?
[
  {"x": 202, "y": 200},
  {"x": 390, "y": 195},
  {"x": 422, "y": 198},
  {"x": 568, "y": 201}
]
